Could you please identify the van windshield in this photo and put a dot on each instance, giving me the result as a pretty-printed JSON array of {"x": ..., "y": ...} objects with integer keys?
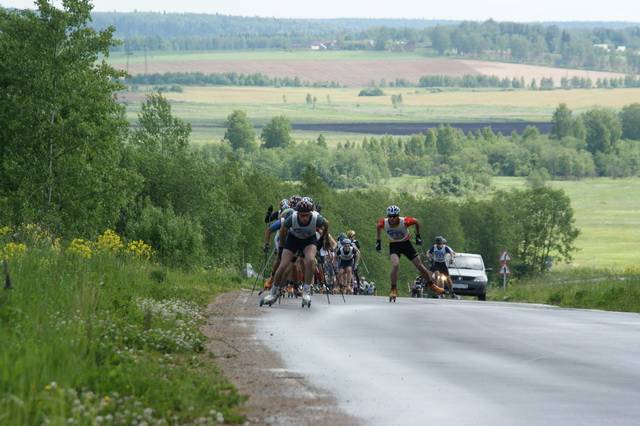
[{"x": 467, "y": 262}]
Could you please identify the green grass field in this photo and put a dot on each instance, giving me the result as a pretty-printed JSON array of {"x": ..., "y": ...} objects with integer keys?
[{"x": 607, "y": 211}]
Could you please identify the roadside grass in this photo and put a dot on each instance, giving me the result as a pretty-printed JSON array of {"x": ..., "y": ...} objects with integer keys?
[
  {"x": 588, "y": 289},
  {"x": 109, "y": 339},
  {"x": 607, "y": 212}
]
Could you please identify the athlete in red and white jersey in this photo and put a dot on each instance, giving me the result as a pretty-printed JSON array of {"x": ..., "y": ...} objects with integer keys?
[{"x": 397, "y": 230}]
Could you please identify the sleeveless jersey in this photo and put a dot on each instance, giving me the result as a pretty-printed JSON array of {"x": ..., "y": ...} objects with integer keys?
[
  {"x": 303, "y": 232},
  {"x": 440, "y": 255},
  {"x": 398, "y": 233},
  {"x": 346, "y": 256}
]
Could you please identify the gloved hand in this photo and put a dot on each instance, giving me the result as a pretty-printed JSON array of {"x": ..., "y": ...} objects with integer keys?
[
  {"x": 267, "y": 216},
  {"x": 378, "y": 245},
  {"x": 265, "y": 248},
  {"x": 418, "y": 240}
]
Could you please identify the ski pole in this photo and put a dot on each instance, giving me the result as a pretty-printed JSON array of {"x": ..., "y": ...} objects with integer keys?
[
  {"x": 264, "y": 267},
  {"x": 326, "y": 287},
  {"x": 364, "y": 264}
]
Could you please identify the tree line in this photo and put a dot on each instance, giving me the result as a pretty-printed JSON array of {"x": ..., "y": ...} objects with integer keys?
[
  {"x": 598, "y": 46},
  {"x": 468, "y": 81},
  {"x": 598, "y": 142},
  {"x": 223, "y": 79}
]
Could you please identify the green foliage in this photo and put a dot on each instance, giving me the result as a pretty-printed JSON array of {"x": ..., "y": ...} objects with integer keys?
[
  {"x": 603, "y": 130},
  {"x": 630, "y": 118},
  {"x": 448, "y": 141},
  {"x": 543, "y": 223},
  {"x": 441, "y": 39},
  {"x": 469, "y": 81},
  {"x": 396, "y": 100},
  {"x": 277, "y": 133},
  {"x": 61, "y": 125},
  {"x": 223, "y": 79},
  {"x": 159, "y": 131},
  {"x": 177, "y": 239},
  {"x": 373, "y": 91},
  {"x": 240, "y": 133},
  {"x": 538, "y": 178},
  {"x": 562, "y": 122}
]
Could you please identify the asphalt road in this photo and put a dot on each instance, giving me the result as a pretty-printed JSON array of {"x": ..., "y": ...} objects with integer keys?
[{"x": 445, "y": 362}]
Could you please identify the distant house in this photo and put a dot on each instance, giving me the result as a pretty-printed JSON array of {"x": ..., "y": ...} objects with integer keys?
[
  {"x": 318, "y": 46},
  {"x": 602, "y": 46}
]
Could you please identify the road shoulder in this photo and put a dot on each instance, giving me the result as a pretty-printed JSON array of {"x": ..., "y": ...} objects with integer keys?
[{"x": 275, "y": 394}]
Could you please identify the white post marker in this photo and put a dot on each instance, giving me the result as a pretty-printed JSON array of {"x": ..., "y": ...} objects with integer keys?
[{"x": 504, "y": 269}]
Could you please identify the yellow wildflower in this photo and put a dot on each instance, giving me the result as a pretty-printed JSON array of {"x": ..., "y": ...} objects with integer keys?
[
  {"x": 11, "y": 250},
  {"x": 109, "y": 242},
  {"x": 4, "y": 230},
  {"x": 81, "y": 248},
  {"x": 139, "y": 249}
]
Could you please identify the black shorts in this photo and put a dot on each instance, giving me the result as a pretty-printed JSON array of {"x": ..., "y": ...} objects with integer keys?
[
  {"x": 403, "y": 247},
  {"x": 297, "y": 245},
  {"x": 345, "y": 264},
  {"x": 440, "y": 267}
]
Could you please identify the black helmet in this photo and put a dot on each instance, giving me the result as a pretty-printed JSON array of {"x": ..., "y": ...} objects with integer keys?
[
  {"x": 305, "y": 205},
  {"x": 294, "y": 200},
  {"x": 440, "y": 240}
]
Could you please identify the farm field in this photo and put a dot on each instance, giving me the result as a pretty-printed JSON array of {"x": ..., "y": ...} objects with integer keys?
[
  {"x": 205, "y": 107},
  {"x": 607, "y": 211},
  {"x": 349, "y": 68}
]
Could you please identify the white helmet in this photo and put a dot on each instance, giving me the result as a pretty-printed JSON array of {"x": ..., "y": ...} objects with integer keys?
[
  {"x": 393, "y": 210},
  {"x": 346, "y": 242}
]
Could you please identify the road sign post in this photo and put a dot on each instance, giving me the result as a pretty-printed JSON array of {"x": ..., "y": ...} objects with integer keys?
[{"x": 504, "y": 268}]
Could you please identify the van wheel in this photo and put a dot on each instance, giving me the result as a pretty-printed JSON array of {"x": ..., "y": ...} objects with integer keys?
[{"x": 482, "y": 296}]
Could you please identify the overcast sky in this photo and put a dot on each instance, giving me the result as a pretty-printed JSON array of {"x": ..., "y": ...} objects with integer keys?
[{"x": 502, "y": 10}]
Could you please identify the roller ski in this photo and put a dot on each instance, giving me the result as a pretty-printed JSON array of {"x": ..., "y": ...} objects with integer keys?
[
  {"x": 393, "y": 295},
  {"x": 306, "y": 296},
  {"x": 272, "y": 297},
  {"x": 268, "y": 283},
  {"x": 453, "y": 296}
]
